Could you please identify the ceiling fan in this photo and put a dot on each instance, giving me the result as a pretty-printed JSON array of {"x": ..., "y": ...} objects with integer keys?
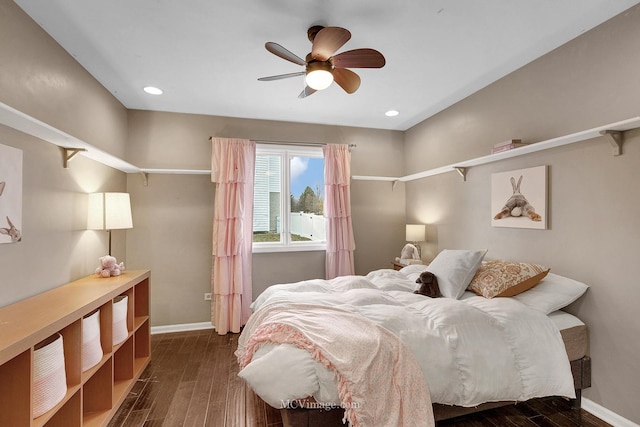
[{"x": 321, "y": 68}]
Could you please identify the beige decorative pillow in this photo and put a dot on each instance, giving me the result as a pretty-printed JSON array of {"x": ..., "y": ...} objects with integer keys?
[{"x": 499, "y": 278}]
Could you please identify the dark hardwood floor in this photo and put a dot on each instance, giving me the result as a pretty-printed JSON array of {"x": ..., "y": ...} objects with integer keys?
[{"x": 192, "y": 381}]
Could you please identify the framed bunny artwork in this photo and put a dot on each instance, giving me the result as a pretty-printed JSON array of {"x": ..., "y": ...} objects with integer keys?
[
  {"x": 10, "y": 194},
  {"x": 519, "y": 198}
]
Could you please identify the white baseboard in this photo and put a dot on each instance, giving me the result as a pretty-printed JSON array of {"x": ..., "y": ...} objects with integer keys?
[
  {"x": 167, "y": 329},
  {"x": 605, "y": 414}
]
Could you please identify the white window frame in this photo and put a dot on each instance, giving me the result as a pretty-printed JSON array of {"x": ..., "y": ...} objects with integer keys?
[{"x": 286, "y": 152}]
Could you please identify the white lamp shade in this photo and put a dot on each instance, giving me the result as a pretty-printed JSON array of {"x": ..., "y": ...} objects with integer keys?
[
  {"x": 109, "y": 211},
  {"x": 415, "y": 233}
]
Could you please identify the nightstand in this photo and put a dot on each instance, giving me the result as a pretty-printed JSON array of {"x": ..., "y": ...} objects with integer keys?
[{"x": 397, "y": 266}]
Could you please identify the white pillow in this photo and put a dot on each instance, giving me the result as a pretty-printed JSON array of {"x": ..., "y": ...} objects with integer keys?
[
  {"x": 454, "y": 270},
  {"x": 413, "y": 268},
  {"x": 297, "y": 378},
  {"x": 413, "y": 272},
  {"x": 552, "y": 293}
]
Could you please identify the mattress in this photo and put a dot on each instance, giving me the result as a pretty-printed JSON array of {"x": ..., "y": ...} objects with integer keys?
[{"x": 574, "y": 334}]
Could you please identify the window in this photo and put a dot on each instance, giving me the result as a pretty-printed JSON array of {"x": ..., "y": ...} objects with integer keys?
[{"x": 296, "y": 221}]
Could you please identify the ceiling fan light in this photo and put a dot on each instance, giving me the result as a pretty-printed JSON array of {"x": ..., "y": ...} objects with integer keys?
[{"x": 319, "y": 79}]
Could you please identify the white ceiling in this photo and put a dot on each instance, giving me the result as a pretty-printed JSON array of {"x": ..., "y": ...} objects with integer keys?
[{"x": 207, "y": 55}]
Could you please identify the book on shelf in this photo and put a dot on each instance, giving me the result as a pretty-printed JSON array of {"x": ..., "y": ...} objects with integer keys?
[
  {"x": 507, "y": 147},
  {"x": 507, "y": 142}
]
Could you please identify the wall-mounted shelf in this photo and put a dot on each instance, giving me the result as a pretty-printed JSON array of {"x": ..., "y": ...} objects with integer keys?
[
  {"x": 179, "y": 171},
  {"x": 145, "y": 172},
  {"x": 613, "y": 131},
  {"x": 70, "y": 145}
]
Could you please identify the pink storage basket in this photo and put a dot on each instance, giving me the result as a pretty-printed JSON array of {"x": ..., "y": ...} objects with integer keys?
[
  {"x": 120, "y": 307},
  {"x": 49, "y": 376},
  {"x": 91, "y": 346}
]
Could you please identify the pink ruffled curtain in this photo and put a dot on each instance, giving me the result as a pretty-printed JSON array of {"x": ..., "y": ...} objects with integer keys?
[
  {"x": 233, "y": 163},
  {"x": 337, "y": 211}
]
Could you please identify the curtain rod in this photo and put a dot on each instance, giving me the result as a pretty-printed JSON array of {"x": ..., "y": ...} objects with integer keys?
[{"x": 306, "y": 144}]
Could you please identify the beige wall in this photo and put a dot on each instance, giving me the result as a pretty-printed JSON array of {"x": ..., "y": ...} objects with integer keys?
[
  {"x": 56, "y": 247},
  {"x": 173, "y": 213},
  {"x": 40, "y": 79},
  {"x": 172, "y": 236},
  {"x": 594, "y": 232}
]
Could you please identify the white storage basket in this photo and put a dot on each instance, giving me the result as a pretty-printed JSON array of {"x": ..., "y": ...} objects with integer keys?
[
  {"x": 91, "y": 346},
  {"x": 120, "y": 307},
  {"x": 49, "y": 376}
]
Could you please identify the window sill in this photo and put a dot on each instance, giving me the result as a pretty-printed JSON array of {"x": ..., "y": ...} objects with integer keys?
[{"x": 291, "y": 248}]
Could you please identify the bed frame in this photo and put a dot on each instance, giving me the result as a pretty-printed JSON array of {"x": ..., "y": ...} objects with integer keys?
[{"x": 301, "y": 417}]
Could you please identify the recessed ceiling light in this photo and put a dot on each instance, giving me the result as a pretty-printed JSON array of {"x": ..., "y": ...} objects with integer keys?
[
  {"x": 153, "y": 90},
  {"x": 391, "y": 113}
]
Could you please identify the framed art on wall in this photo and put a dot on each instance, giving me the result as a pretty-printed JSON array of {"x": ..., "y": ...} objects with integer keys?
[
  {"x": 10, "y": 194},
  {"x": 519, "y": 198}
]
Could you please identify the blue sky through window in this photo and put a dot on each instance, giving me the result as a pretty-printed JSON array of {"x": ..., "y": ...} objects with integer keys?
[{"x": 306, "y": 171}]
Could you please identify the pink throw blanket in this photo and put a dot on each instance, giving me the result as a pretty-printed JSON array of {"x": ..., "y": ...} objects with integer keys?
[{"x": 379, "y": 381}]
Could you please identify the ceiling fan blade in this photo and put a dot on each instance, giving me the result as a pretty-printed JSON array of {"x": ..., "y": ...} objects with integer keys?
[
  {"x": 283, "y": 53},
  {"x": 327, "y": 41},
  {"x": 359, "y": 58},
  {"x": 281, "y": 76},
  {"x": 306, "y": 92},
  {"x": 347, "y": 79}
]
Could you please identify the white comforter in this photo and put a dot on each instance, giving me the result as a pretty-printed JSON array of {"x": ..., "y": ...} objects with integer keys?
[{"x": 471, "y": 351}]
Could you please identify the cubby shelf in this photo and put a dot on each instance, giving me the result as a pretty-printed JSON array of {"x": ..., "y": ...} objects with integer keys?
[{"x": 92, "y": 396}]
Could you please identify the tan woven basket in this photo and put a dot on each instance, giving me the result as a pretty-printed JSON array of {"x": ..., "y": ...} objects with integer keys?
[
  {"x": 49, "y": 376},
  {"x": 91, "y": 346},
  {"x": 120, "y": 307}
]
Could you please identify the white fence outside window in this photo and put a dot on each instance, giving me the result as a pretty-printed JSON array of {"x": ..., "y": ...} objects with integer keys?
[{"x": 308, "y": 225}]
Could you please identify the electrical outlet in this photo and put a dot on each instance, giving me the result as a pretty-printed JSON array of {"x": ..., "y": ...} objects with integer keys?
[{"x": 207, "y": 296}]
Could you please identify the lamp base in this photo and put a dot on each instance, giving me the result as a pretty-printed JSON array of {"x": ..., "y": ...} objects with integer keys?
[{"x": 418, "y": 248}]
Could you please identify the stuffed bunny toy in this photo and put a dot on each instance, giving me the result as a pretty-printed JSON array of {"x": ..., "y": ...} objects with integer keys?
[
  {"x": 517, "y": 205},
  {"x": 428, "y": 285}
]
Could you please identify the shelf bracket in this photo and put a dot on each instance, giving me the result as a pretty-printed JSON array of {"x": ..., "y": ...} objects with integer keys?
[
  {"x": 616, "y": 139},
  {"x": 394, "y": 183},
  {"x": 145, "y": 178},
  {"x": 69, "y": 153},
  {"x": 462, "y": 171}
]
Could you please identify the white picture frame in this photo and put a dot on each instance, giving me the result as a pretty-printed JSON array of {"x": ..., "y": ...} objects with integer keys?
[{"x": 519, "y": 198}]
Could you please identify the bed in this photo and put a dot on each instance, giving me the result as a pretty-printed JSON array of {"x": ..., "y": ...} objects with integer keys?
[{"x": 304, "y": 349}]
